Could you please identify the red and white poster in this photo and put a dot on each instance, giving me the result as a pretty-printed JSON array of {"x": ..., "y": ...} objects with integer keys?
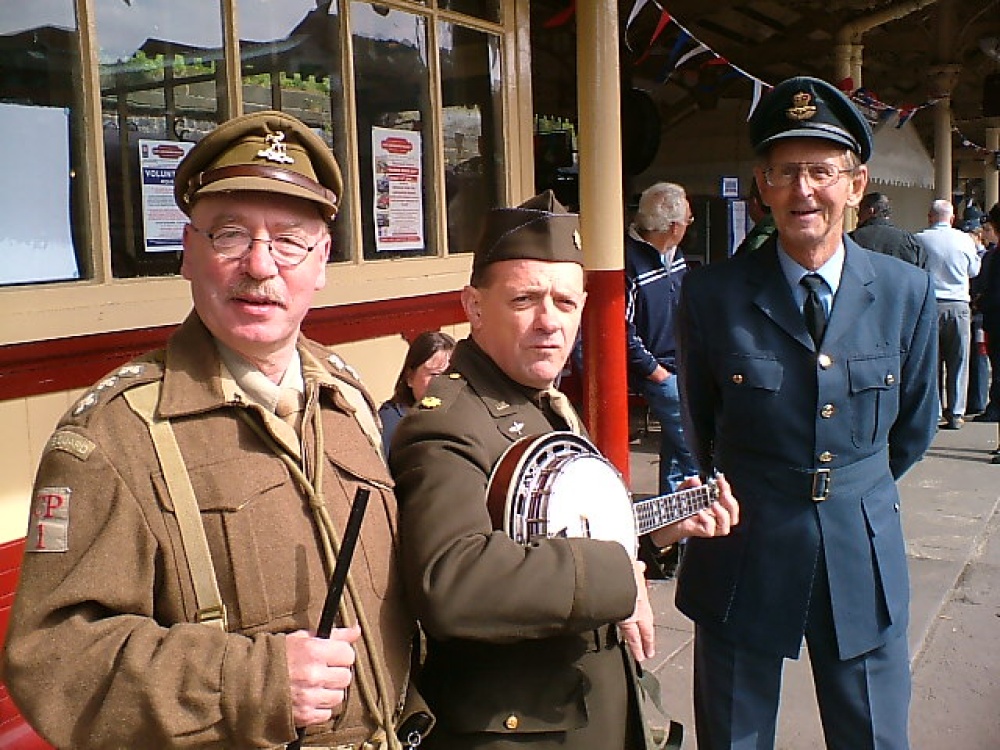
[{"x": 398, "y": 179}]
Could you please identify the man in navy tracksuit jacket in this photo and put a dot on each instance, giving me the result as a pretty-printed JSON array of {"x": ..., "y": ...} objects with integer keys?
[{"x": 654, "y": 267}]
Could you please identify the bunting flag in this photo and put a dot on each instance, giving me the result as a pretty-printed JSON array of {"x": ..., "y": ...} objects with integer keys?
[
  {"x": 563, "y": 17},
  {"x": 639, "y": 5},
  {"x": 660, "y": 26},
  {"x": 758, "y": 91},
  {"x": 993, "y": 156}
]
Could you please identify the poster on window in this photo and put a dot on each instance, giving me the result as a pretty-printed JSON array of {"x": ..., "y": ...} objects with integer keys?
[
  {"x": 399, "y": 206},
  {"x": 162, "y": 220}
]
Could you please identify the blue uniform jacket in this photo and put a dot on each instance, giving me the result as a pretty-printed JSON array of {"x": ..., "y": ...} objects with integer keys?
[{"x": 767, "y": 409}]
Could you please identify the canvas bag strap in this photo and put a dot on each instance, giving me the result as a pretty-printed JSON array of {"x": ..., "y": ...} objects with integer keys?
[{"x": 211, "y": 611}]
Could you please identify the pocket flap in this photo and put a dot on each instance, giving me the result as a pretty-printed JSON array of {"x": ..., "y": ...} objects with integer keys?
[
  {"x": 754, "y": 372},
  {"x": 877, "y": 372}
]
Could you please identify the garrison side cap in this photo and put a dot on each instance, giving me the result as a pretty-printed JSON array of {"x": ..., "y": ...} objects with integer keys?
[
  {"x": 539, "y": 229},
  {"x": 806, "y": 107},
  {"x": 269, "y": 152}
]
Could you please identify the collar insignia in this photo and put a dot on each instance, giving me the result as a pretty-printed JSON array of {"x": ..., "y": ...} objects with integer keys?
[
  {"x": 501, "y": 405},
  {"x": 517, "y": 428},
  {"x": 276, "y": 149},
  {"x": 801, "y": 108},
  {"x": 430, "y": 402}
]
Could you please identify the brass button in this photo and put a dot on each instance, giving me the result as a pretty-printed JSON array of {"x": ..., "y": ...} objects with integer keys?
[
  {"x": 825, "y": 457},
  {"x": 825, "y": 361},
  {"x": 890, "y": 379},
  {"x": 738, "y": 379},
  {"x": 827, "y": 411},
  {"x": 511, "y": 722}
]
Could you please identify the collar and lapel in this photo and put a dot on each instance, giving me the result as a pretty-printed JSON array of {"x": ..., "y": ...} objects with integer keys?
[
  {"x": 508, "y": 403},
  {"x": 774, "y": 298}
]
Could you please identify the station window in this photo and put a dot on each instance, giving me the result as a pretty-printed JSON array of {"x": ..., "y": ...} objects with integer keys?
[
  {"x": 470, "y": 113},
  {"x": 407, "y": 96},
  {"x": 161, "y": 75},
  {"x": 291, "y": 60},
  {"x": 41, "y": 127}
]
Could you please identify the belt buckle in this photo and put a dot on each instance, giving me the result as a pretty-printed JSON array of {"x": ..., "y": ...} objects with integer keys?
[{"x": 821, "y": 485}]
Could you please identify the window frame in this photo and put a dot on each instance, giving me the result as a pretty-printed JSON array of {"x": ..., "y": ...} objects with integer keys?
[{"x": 103, "y": 303}]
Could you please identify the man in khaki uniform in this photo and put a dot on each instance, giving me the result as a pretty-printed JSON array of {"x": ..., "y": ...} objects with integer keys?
[
  {"x": 188, "y": 509},
  {"x": 522, "y": 644}
]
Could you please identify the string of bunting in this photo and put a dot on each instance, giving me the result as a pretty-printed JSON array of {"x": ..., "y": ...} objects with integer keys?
[{"x": 687, "y": 47}]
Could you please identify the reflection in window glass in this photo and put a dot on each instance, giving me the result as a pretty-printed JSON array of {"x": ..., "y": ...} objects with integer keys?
[
  {"x": 395, "y": 154},
  {"x": 41, "y": 127},
  {"x": 488, "y": 10},
  {"x": 291, "y": 61},
  {"x": 161, "y": 78},
  {"x": 471, "y": 112}
]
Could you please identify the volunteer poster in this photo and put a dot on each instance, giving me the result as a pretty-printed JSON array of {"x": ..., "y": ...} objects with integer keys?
[
  {"x": 162, "y": 220},
  {"x": 398, "y": 177}
]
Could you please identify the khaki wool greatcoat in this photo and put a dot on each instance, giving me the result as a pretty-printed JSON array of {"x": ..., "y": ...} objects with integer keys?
[
  {"x": 519, "y": 649},
  {"x": 103, "y": 651}
]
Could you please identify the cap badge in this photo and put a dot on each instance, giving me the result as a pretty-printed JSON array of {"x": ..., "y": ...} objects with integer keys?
[
  {"x": 801, "y": 108},
  {"x": 276, "y": 149}
]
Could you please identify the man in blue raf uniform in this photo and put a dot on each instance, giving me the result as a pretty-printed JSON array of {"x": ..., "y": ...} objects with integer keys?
[{"x": 809, "y": 371}]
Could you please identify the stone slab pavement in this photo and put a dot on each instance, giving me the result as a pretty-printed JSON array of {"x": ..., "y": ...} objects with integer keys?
[{"x": 951, "y": 517}]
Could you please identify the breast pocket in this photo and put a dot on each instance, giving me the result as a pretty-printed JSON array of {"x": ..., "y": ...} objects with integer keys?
[
  {"x": 260, "y": 538},
  {"x": 874, "y": 402},
  {"x": 750, "y": 385}
]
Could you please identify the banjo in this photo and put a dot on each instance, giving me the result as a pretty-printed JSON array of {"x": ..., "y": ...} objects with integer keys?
[{"x": 559, "y": 485}]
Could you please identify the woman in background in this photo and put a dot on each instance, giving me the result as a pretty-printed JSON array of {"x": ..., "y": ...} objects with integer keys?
[{"x": 427, "y": 357}]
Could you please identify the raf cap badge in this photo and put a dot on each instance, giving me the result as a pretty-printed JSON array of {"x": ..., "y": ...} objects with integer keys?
[
  {"x": 801, "y": 108},
  {"x": 276, "y": 150}
]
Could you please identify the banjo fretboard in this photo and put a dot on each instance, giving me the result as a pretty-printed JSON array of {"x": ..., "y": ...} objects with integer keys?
[{"x": 656, "y": 512}]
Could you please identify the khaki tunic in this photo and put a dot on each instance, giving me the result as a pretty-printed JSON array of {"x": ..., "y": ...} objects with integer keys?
[
  {"x": 519, "y": 649},
  {"x": 102, "y": 650}
]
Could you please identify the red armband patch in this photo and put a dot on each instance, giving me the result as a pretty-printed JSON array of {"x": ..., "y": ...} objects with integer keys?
[{"x": 48, "y": 524}]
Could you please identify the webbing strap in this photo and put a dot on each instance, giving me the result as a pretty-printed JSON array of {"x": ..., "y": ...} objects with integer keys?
[
  {"x": 211, "y": 610},
  {"x": 362, "y": 413}
]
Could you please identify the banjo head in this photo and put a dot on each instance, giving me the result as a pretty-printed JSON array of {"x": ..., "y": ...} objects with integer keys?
[{"x": 559, "y": 485}]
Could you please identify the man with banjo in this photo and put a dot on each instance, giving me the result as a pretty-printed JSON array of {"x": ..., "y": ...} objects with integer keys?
[{"x": 525, "y": 636}]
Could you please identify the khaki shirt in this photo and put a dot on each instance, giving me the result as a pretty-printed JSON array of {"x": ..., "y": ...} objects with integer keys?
[{"x": 102, "y": 650}]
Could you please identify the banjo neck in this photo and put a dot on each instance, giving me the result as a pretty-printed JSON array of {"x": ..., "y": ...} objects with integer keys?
[{"x": 656, "y": 512}]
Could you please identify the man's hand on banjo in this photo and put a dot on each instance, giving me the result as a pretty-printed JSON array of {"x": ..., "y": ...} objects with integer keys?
[{"x": 716, "y": 520}]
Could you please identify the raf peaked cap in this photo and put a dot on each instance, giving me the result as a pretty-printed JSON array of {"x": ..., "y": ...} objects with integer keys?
[
  {"x": 539, "y": 229},
  {"x": 270, "y": 152},
  {"x": 807, "y": 107}
]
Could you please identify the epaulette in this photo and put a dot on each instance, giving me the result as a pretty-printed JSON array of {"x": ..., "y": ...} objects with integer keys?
[
  {"x": 145, "y": 369},
  {"x": 442, "y": 392}
]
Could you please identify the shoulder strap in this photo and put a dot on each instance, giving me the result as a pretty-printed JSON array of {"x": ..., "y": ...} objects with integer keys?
[
  {"x": 211, "y": 610},
  {"x": 362, "y": 413}
]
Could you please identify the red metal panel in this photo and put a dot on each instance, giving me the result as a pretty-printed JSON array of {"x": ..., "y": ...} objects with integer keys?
[
  {"x": 55, "y": 365},
  {"x": 606, "y": 383}
]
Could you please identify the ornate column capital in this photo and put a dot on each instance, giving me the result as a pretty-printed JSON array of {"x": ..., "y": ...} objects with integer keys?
[{"x": 941, "y": 79}]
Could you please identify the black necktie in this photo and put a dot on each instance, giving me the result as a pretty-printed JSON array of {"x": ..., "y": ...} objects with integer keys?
[{"x": 813, "y": 309}]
